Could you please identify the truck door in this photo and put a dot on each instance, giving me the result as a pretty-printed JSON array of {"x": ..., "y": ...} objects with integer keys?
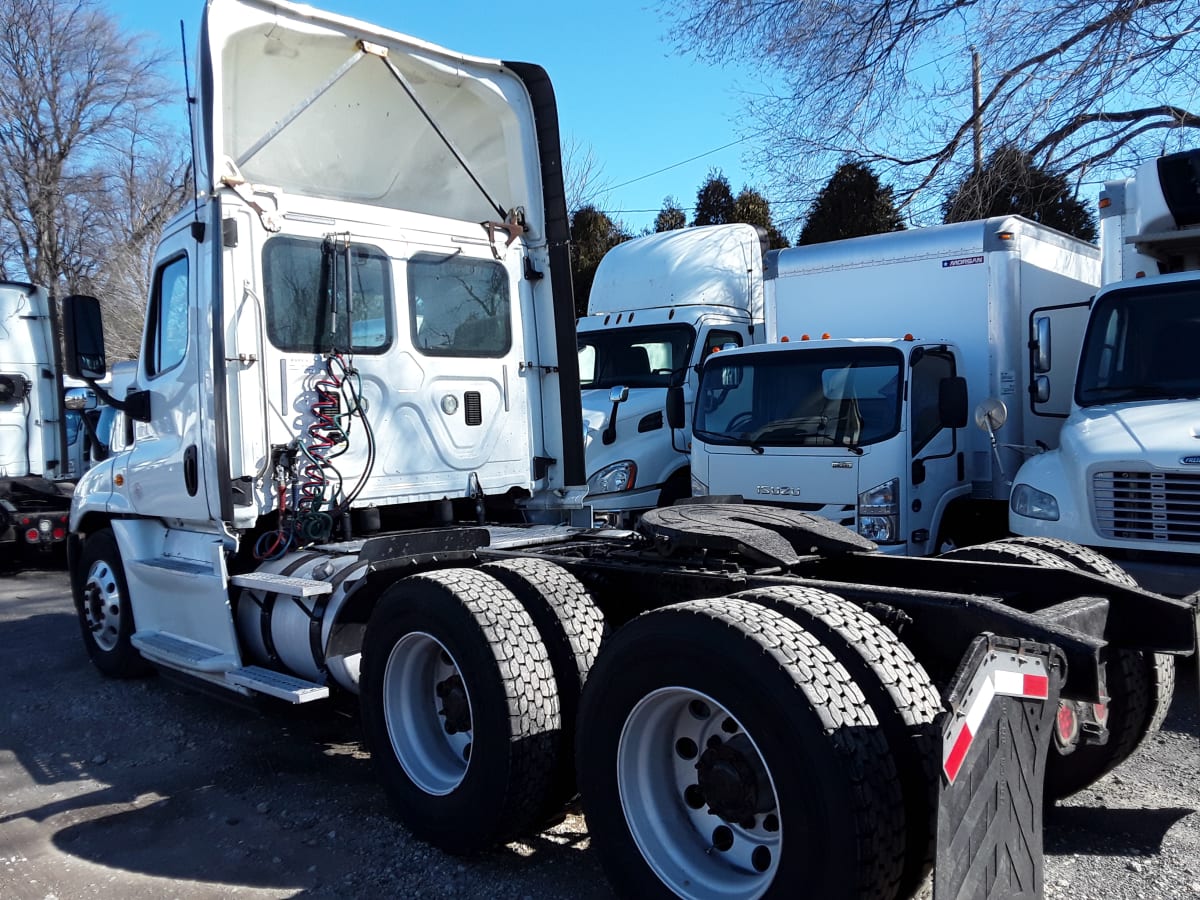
[
  {"x": 936, "y": 456},
  {"x": 1055, "y": 339},
  {"x": 166, "y": 470}
]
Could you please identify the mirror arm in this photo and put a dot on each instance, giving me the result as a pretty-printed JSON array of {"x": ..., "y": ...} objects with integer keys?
[{"x": 136, "y": 404}]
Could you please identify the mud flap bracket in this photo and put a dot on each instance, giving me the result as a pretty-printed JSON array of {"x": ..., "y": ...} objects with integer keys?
[{"x": 995, "y": 739}]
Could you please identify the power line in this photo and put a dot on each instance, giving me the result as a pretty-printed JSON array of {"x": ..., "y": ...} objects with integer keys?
[{"x": 684, "y": 162}]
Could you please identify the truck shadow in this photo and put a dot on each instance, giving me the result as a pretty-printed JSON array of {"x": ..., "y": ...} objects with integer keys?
[
  {"x": 1104, "y": 831},
  {"x": 155, "y": 780}
]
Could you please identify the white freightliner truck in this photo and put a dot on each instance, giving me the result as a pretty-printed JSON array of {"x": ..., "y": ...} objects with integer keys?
[
  {"x": 874, "y": 432},
  {"x": 658, "y": 306},
  {"x": 34, "y": 497},
  {"x": 1126, "y": 477},
  {"x": 357, "y": 447}
]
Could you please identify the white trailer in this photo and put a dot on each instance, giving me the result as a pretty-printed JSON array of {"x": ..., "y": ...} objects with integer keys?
[
  {"x": 862, "y": 430},
  {"x": 34, "y": 499},
  {"x": 658, "y": 307},
  {"x": 1126, "y": 478},
  {"x": 357, "y": 448}
]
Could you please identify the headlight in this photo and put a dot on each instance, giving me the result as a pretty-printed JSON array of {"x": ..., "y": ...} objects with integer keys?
[
  {"x": 879, "y": 512},
  {"x": 620, "y": 476},
  {"x": 699, "y": 488},
  {"x": 1034, "y": 504}
]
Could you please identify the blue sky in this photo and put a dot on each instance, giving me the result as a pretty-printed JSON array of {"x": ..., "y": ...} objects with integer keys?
[{"x": 621, "y": 89}]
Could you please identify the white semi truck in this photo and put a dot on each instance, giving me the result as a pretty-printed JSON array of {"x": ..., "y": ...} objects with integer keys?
[
  {"x": 1126, "y": 477},
  {"x": 874, "y": 432},
  {"x": 658, "y": 307},
  {"x": 355, "y": 456},
  {"x": 35, "y": 499}
]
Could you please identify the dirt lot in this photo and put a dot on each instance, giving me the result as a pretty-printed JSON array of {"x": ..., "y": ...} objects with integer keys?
[{"x": 143, "y": 789}]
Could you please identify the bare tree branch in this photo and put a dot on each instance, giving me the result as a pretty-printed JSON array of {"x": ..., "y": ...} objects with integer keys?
[{"x": 1076, "y": 83}]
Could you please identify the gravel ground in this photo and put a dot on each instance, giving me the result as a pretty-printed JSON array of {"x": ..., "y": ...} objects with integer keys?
[{"x": 144, "y": 789}]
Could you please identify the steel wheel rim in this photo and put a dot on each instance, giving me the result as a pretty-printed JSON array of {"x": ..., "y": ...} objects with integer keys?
[
  {"x": 658, "y": 779},
  {"x": 419, "y": 714},
  {"x": 103, "y": 605}
]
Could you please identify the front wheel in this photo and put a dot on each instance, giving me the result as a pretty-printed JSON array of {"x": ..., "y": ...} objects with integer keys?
[
  {"x": 102, "y": 606},
  {"x": 724, "y": 752},
  {"x": 459, "y": 708}
]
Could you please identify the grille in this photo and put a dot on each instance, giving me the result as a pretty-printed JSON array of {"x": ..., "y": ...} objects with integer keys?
[
  {"x": 1159, "y": 507},
  {"x": 474, "y": 408}
]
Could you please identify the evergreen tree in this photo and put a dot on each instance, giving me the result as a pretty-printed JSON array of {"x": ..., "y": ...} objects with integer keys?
[
  {"x": 593, "y": 234},
  {"x": 753, "y": 208},
  {"x": 853, "y": 203},
  {"x": 714, "y": 201},
  {"x": 671, "y": 216},
  {"x": 1010, "y": 183}
]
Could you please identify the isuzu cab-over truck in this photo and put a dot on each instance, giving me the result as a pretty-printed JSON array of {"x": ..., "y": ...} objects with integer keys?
[
  {"x": 34, "y": 497},
  {"x": 1126, "y": 478},
  {"x": 356, "y": 452},
  {"x": 874, "y": 432}
]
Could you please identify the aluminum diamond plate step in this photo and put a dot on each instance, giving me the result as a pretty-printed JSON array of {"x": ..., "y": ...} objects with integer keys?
[
  {"x": 281, "y": 584},
  {"x": 180, "y": 653},
  {"x": 277, "y": 684}
]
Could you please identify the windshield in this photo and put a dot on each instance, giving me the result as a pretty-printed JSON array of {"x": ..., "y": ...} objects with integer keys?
[
  {"x": 1141, "y": 344},
  {"x": 633, "y": 357},
  {"x": 805, "y": 398}
]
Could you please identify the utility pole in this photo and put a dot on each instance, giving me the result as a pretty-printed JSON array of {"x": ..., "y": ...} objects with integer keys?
[{"x": 976, "y": 113}]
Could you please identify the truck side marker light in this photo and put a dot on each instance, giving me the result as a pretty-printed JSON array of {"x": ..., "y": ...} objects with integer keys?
[
  {"x": 908, "y": 336},
  {"x": 825, "y": 336},
  {"x": 1033, "y": 685}
]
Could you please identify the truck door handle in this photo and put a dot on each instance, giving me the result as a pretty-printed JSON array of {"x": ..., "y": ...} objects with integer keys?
[{"x": 191, "y": 479}]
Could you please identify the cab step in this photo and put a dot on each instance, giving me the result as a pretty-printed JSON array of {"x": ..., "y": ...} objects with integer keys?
[
  {"x": 281, "y": 584},
  {"x": 277, "y": 684},
  {"x": 180, "y": 653}
]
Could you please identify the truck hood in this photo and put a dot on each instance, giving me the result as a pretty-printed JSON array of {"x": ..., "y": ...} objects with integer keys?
[
  {"x": 642, "y": 402},
  {"x": 320, "y": 105},
  {"x": 1159, "y": 433}
]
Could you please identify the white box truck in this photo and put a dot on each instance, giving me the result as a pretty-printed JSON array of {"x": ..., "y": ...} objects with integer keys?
[
  {"x": 356, "y": 451},
  {"x": 34, "y": 497},
  {"x": 658, "y": 306},
  {"x": 1126, "y": 476},
  {"x": 872, "y": 432}
]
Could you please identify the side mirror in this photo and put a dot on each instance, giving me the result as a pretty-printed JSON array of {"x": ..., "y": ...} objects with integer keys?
[
  {"x": 731, "y": 376},
  {"x": 675, "y": 408},
  {"x": 619, "y": 394},
  {"x": 952, "y": 402},
  {"x": 79, "y": 398},
  {"x": 83, "y": 333},
  {"x": 1041, "y": 345},
  {"x": 990, "y": 415}
]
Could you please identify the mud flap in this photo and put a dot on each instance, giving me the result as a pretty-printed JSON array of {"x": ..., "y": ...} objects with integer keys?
[{"x": 994, "y": 743}]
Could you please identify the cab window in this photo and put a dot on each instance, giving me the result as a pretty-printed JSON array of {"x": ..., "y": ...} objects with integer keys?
[
  {"x": 928, "y": 370},
  {"x": 167, "y": 340},
  {"x": 459, "y": 306}
]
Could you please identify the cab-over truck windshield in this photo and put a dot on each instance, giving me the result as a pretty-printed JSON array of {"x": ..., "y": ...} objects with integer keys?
[{"x": 806, "y": 398}]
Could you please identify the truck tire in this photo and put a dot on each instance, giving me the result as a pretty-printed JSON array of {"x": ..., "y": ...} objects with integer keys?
[
  {"x": 899, "y": 692},
  {"x": 572, "y": 628},
  {"x": 459, "y": 708},
  {"x": 1080, "y": 557},
  {"x": 103, "y": 609},
  {"x": 1140, "y": 685},
  {"x": 723, "y": 751},
  {"x": 1152, "y": 672}
]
